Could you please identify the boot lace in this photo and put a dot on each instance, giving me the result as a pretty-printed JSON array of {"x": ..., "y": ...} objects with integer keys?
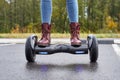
[
  {"x": 75, "y": 31},
  {"x": 45, "y": 32}
]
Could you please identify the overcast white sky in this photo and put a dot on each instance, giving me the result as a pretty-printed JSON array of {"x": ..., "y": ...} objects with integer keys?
[{"x": 7, "y": 1}]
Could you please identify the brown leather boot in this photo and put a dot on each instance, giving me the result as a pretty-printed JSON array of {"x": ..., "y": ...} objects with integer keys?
[
  {"x": 45, "y": 40},
  {"x": 74, "y": 29}
]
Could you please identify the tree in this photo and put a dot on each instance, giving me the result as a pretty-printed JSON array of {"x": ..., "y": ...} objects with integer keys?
[{"x": 93, "y": 15}]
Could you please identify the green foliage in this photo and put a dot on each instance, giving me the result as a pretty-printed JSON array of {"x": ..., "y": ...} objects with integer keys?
[
  {"x": 59, "y": 18},
  {"x": 93, "y": 16}
]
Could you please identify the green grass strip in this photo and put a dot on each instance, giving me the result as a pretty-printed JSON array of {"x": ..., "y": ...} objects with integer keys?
[{"x": 57, "y": 35}]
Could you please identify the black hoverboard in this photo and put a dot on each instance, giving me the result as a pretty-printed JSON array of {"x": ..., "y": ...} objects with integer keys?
[{"x": 31, "y": 48}]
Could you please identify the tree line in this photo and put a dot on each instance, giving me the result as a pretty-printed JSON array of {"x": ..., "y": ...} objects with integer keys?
[{"x": 21, "y": 16}]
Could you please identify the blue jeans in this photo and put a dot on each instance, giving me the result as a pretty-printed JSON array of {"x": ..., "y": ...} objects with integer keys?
[{"x": 46, "y": 10}]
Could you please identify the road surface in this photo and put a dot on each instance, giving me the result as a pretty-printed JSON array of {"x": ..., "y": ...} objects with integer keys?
[{"x": 60, "y": 66}]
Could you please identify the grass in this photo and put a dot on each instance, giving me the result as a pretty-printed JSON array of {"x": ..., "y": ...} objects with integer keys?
[{"x": 57, "y": 35}]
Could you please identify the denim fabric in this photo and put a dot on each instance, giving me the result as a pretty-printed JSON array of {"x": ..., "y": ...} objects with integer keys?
[
  {"x": 72, "y": 9},
  {"x": 46, "y": 10}
]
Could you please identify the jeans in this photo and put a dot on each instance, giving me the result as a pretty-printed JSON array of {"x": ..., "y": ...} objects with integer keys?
[{"x": 46, "y": 10}]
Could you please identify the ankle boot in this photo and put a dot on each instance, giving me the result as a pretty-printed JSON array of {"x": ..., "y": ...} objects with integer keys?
[
  {"x": 74, "y": 30},
  {"x": 45, "y": 40}
]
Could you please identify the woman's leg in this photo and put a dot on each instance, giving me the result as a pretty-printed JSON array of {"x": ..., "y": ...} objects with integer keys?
[
  {"x": 46, "y": 12},
  {"x": 72, "y": 8}
]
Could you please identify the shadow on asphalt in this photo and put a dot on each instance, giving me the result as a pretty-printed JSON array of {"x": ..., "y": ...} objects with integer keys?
[{"x": 91, "y": 67}]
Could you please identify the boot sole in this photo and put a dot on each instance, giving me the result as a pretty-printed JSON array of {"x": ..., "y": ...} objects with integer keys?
[
  {"x": 75, "y": 44},
  {"x": 43, "y": 45}
]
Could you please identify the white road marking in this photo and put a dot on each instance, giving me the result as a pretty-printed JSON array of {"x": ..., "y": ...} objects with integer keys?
[
  {"x": 7, "y": 44},
  {"x": 116, "y": 49},
  {"x": 117, "y": 41}
]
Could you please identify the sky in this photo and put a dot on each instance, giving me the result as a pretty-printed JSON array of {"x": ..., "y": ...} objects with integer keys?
[{"x": 7, "y": 1}]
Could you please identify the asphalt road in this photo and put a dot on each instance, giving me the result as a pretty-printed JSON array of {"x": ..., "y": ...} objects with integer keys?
[{"x": 61, "y": 66}]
